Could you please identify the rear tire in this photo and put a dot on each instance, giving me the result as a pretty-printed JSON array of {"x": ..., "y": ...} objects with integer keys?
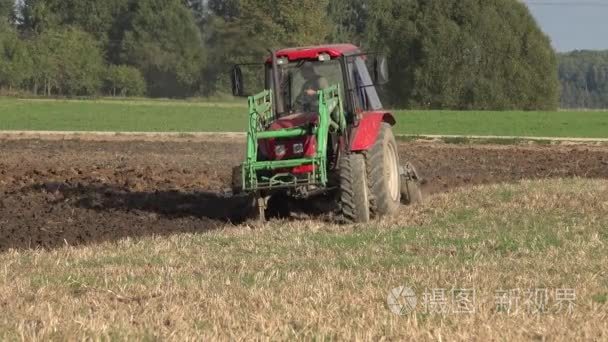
[
  {"x": 354, "y": 190},
  {"x": 383, "y": 170}
]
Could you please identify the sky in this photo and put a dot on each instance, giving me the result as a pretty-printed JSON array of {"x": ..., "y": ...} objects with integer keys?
[{"x": 573, "y": 24}]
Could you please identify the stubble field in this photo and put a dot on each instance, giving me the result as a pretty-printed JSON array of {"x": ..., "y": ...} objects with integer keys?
[{"x": 128, "y": 239}]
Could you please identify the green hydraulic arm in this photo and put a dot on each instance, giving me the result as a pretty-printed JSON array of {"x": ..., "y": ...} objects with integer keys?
[{"x": 262, "y": 115}]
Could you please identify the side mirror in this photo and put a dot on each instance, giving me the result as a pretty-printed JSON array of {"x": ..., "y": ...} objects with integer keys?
[
  {"x": 236, "y": 76},
  {"x": 381, "y": 75}
]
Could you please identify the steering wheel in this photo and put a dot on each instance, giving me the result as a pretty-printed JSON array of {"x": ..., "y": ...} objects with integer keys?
[{"x": 307, "y": 103}]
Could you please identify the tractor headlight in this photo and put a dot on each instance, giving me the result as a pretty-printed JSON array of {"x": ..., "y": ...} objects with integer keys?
[
  {"x": 298, "y": 148},
  {"x": 324, "y": 57},
  {"x": 280, "y": 150}
]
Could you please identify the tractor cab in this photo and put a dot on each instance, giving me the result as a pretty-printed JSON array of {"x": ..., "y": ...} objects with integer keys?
[
  {"x": 302, "y": 72},
  {"x": 300, "y": 77},
  {"x": 320, "y": 109}
]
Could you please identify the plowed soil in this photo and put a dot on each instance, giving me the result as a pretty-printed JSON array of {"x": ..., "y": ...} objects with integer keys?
[{"x": 74, "y": 192}]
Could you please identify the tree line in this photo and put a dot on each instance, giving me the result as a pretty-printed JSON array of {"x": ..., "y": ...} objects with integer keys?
[
  {"x": 584, "y": 79},
  {"x": 461, "y": 54}
]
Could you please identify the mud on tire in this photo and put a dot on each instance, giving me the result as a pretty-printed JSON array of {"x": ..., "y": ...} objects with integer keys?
[
  {"x": 382, "y": 162},
  {"x": 354, "y": 190}
]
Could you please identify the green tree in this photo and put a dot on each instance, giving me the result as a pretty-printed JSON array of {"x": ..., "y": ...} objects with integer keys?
[
  {"x": 105, "y": 20},
  {"x": 15, "y": 62},
  {"x": 205, "y": 9},
  {"x": 7, "y": 8},
  {"x": 348, "y": 20},
  {"x": 584, "y": 79},
  {"x": 81, "y": 63},
  {"x": 237, "y": 31},
  {"x": 46, "y": 66},
  {"x": 124, "y": 81},
  {"x": 166, "y": 48},
  {"x": 37, "y": 16},
  {"x": 226, "y": 9},
  {"x": 464, "y": 54},
  {"x": 285, "y": 23},
  {"x": 66, "y": 62}
]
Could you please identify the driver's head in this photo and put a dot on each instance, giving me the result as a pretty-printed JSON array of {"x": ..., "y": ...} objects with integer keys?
[{"x": 308, "y": 70}]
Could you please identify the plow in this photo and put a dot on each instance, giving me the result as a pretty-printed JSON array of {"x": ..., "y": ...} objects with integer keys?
[{"x": 319, "y": 132}]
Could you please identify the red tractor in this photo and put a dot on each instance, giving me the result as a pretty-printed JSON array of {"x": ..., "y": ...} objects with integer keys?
[{"x": 319, "y": 131}]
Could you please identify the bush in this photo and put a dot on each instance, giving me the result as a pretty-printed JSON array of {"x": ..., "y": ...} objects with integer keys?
[{"x": 124, "y": 81}]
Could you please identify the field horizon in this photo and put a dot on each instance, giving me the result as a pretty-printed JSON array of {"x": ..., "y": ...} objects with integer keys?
[{"x": 119, "y": 115}]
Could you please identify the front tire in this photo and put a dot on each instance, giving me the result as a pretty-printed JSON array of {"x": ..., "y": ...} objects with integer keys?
[
  {"x": 383, "y": 171},
  {"x": 354, "y": 190}
]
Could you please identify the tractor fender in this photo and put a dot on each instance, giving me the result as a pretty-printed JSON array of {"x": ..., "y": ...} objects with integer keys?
[{"x": 364, "y": 135}]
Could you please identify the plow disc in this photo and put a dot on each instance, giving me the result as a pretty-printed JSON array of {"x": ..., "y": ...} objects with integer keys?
[{"x": 411, "y": 183}]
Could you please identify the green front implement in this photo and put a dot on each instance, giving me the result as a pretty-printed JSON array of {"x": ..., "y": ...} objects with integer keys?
[{"x": 269, "y": 175}]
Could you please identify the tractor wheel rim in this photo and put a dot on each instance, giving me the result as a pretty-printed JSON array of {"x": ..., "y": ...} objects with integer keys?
[{"x": 392, "y": 172}]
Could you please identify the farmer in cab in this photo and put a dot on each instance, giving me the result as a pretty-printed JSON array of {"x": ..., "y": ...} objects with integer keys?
[{"x": 308, "y": 100}]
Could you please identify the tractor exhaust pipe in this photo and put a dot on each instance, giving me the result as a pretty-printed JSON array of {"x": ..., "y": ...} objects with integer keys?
[{"x": 276, "y": 88}]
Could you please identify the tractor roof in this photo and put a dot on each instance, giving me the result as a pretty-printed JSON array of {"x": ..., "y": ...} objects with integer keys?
[{"x": 313, "y": 52}]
